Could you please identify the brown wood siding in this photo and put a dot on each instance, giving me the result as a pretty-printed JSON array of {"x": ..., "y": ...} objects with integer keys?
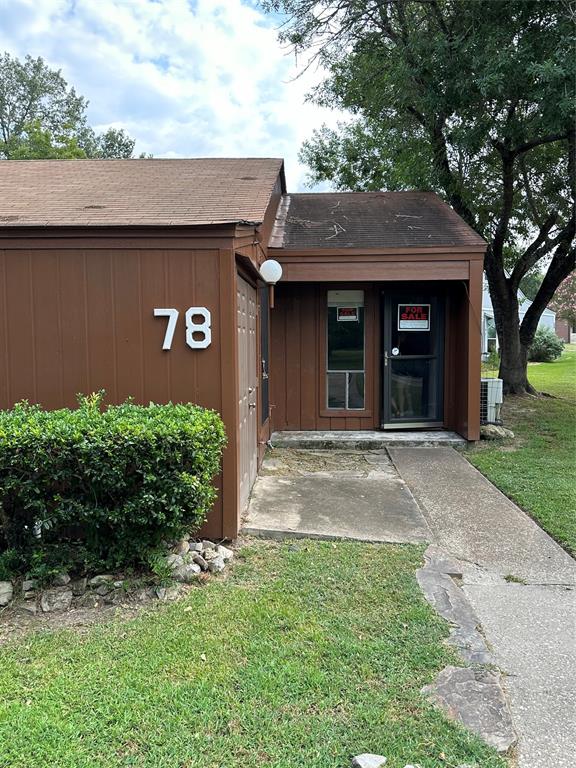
[
  {"x": 297, "y": 374},
  {"x": 372, "y": 270},
  {"x": 76, "y": 320}
]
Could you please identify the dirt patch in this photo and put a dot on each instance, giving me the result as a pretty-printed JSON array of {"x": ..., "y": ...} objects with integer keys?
[
  {"x": 16, "y": 623},
  {"x": 291, "y": 461}
]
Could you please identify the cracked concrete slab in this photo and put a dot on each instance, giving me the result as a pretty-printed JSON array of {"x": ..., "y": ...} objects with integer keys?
[
  {"x": 474, "y": 697},
  {"x": 475, "y": 522},
  {"x": 530, "y": 627},
  {"x": 532, "y": 630},
  {"x": 339, "y": 495},
  {"x": 446, "y": 597}
]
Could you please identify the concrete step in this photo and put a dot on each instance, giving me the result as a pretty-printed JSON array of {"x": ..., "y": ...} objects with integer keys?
[{"x": 366, "y": 440}]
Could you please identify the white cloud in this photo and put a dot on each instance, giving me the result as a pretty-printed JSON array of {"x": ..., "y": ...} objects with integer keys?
[{"x": 186, "y": 79}]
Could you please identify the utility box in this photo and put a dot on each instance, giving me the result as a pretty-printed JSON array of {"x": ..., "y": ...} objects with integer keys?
[{"x": 491, "y": 397}]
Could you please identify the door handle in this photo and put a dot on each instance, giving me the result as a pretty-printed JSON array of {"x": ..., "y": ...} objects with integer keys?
[
  {"x": 385, "y": 358},
  {"x": 251, "y": 405}
]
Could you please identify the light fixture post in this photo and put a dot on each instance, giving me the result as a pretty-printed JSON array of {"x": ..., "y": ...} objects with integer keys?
[{"x": 271, "y": 272}]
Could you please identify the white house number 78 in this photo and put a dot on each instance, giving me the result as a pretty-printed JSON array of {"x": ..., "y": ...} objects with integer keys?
[{"x": 193, "y": 329}]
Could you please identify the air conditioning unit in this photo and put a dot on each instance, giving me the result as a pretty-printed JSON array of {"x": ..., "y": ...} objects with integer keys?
[{"x": 490, "y": 401}]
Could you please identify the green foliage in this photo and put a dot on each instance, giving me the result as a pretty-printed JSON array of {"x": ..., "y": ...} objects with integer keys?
[
  {"x": 41, "y": 117},
  {"x": 9, "y": 564},
  {"x": 103, "y": 485},
  {"x": 113, "y": 143},
  {"x": 545, "y": 347},
  {"x": 35, "y": 143},
  {"x": 491, "y": 363},
  {"x": 472, "y": 99},
  {"x": 160, "y": 568},
  {"x": 530, "y": 284}
]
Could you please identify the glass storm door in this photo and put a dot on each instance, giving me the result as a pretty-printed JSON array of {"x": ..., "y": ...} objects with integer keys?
[{"x": 413, "y": 380}]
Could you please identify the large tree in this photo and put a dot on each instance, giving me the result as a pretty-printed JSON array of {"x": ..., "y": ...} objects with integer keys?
[
  {"x": 471, "y": 98},
  {"x": 42, "y": 117}
]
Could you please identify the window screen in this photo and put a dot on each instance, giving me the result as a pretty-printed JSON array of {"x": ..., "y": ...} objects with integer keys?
[{"x": 345, "y": 350}]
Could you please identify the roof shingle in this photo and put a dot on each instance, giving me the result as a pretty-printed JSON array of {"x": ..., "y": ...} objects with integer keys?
[
  {"x": 369, "y": 220},
  {"x": 61, "y": 193}
]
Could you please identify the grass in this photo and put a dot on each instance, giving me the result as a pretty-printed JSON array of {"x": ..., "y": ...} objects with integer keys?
[
  {"x": 305, "y": 655},
  {"x": 557, "y": 378},
  {"x": 537, "y": 469}
]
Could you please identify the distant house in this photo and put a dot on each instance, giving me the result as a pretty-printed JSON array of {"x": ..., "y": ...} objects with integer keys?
[
  {"x": 566, "y": 330},
  {"x": 489, "y": 337}
]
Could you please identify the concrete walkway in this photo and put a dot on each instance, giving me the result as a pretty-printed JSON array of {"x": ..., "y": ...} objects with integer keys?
[
  {"x": 521, "y": 585},
  {"x": 334, "y": 495}
]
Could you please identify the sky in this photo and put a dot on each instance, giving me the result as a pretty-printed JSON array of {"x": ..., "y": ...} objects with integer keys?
[{"x": 185, "y": 78}]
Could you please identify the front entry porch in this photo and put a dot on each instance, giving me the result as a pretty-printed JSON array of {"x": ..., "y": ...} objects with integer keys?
[
  {"x": 333, "y": 494},
  {"x": 366, "y": 440}
]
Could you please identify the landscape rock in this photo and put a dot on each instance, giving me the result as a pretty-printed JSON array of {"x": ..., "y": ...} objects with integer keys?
[
  {"x": 475, "y": 698},
  {"x": 167, "y": 593},
  {"x": 29, "y": 607},
  {"x": 208, "y": 545},
  {"x": 61, "y": 579},
  {"x": 182, "y": 547},
  {"x": 216, "y": 565},
  {"x": 102, "y": 578},
  {"x": 196, "y": 546},
  {"x": 78, "y": 586},
  {"x": 197, "y": 558},
  {"x": 225, "y": 553},
  {"x": 210, "y": 554},
  {"x": 58, "y": 599},
  {"x": 495, "y": 432},
  {"x": 187, "y": 573},
  {"x": 89, "y": 600},
  {"x": 103, "y": 589},
  {"x": 446, "y": 597},
  {"x": 175, "y": 561},
  {"x": 28, "y": 587},
  {"x": 6, "y": 592},
  {"x": 368, "y": 761}
]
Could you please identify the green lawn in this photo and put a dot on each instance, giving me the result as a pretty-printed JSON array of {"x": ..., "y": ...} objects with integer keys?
[
  {"x": 557, "y": 378},
  {"x": 306, "y": 654},
  {"x": 537, "y": 469}
]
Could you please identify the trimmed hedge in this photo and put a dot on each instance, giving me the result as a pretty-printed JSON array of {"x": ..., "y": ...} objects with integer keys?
[{"x": 110, "y": 483}]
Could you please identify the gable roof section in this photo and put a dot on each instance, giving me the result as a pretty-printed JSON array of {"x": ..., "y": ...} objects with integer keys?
[
  {"x": 86, "y": 193},
  {"x": 336, "y": 220}
]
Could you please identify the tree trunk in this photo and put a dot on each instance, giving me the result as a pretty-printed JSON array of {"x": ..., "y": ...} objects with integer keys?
[
  {"x": 513, "y": 350},
  {"x": 513, "y": 355}
]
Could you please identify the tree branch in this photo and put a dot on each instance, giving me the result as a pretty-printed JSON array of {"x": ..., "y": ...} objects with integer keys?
[
  {"x": 562, "y": 264},
  {"x": 535, "y": 250},
  {"x": 527, "y": 145},
  {"x": 507, "y": 200}
]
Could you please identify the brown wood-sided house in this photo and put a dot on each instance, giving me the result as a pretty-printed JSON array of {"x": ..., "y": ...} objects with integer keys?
[{"x": 141, "y": 277}]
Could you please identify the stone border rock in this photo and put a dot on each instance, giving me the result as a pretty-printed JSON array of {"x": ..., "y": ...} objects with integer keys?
[
  {"x": 188, "y": 561},
  {"x": 472, "y": 695}
]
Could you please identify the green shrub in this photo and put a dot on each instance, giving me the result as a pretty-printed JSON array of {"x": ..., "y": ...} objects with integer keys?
[
  {"x": 103, "y": 485},
  {"x": 545, "y": 347}
]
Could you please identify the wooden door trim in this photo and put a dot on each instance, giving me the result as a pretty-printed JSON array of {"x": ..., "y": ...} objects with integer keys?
[{"x": 369, "y": 378}]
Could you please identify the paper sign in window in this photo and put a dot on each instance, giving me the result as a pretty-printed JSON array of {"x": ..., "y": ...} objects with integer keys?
[
  {"x": 413, "y": 317},
  {"x": 347, "y": 314}
]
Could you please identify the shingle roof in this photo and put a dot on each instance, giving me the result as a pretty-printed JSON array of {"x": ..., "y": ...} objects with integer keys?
[
  {"x": 135, "y": 192},
  {"x": 369, "y": 220}
]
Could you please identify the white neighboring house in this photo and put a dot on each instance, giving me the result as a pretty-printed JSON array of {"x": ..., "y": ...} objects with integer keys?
[{"x": 489, "y": 337}]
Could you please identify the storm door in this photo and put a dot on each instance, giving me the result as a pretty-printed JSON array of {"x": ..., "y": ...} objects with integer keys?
[{"x": 412, "y": 360}]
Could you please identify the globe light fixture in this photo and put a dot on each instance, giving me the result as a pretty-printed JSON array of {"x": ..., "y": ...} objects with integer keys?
[{"x": 271, "y": 271}]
